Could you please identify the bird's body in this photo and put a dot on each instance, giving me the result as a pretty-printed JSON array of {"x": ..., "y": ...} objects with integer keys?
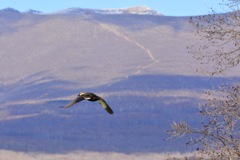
[{"x": 90, "y": 97}]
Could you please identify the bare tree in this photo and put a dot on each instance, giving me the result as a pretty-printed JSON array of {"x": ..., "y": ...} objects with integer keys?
[
  {"x": 219, "y": 136},
  {"x": 219, "y": 50}
]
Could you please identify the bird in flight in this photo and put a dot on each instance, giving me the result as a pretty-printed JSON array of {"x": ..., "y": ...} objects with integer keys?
[{"x": 90, "y": 97}]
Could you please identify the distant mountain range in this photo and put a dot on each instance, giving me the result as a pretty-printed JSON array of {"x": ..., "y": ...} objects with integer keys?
[
  {"x": 141, "y": 10},
  {"x": 134, "y": 58}
]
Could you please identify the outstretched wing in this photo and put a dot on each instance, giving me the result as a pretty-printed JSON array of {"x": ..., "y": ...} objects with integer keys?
[
  {"x": 76, "y": 100},
  {"x": 105, "y": 105}
]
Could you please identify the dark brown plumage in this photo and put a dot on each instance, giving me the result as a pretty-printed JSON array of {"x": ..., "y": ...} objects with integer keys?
[{"x": 90, "y": 97}]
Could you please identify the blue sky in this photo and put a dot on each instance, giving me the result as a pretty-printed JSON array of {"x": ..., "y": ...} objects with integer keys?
[{"x": 166, "y": 7}]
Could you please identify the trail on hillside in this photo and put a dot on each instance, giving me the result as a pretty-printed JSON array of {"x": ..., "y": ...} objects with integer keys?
[{"x": 146, "y": 50}]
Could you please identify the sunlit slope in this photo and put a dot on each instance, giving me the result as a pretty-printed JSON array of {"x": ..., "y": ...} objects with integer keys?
[
  {"x": 93, "y": 49},
  {"x": 138, "y": 63}
]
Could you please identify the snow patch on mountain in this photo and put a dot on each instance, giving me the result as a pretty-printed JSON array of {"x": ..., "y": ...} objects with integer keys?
[
  {"x": 141, "y": 10},
  {"x": 31, "y": 11}
]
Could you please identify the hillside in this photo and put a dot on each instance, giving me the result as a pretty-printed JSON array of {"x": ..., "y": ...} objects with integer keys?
[{"x": 137, "y": 62}]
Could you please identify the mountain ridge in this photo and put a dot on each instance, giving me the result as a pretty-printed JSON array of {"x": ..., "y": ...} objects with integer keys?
[
  {"x": 138, "y": 63},
  {"x": 138, "y": 10}
]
